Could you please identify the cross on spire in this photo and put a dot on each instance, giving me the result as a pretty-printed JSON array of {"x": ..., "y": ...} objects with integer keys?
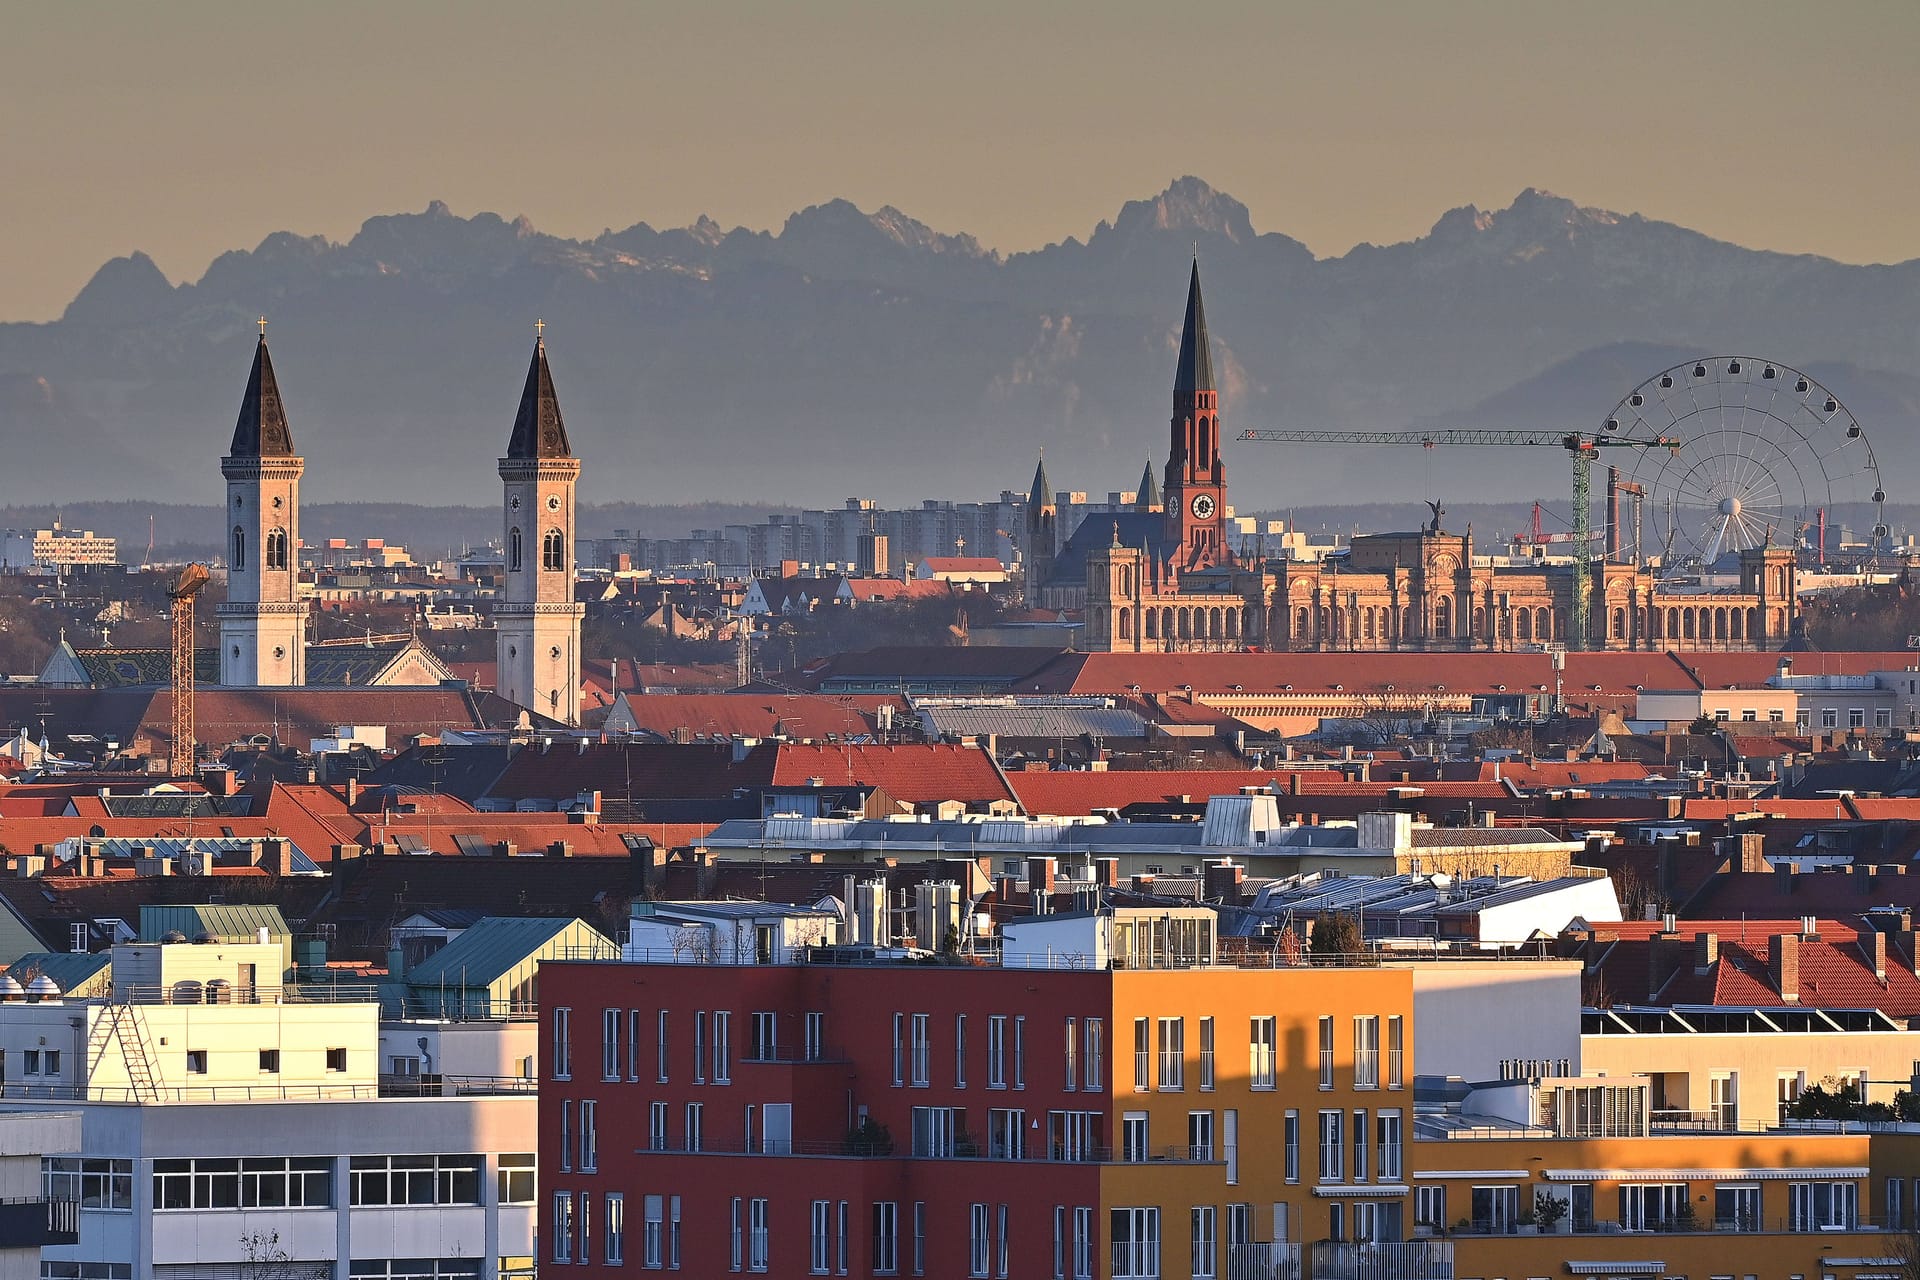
[
  {"x": 263, "y": 326},
  {"x": 539, "y": 330}
]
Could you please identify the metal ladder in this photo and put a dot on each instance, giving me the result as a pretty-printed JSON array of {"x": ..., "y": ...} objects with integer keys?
[{"x": 119, "y": 1021}]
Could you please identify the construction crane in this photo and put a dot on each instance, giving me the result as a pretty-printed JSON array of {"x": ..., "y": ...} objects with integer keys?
[
  {"x": 1580, "y": 446},
  {"x": 186, "y": 585}
]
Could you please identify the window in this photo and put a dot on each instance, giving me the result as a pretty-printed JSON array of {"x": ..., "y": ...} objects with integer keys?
[
  {"x": 610, "y": 1045},
  {"x": 722, "y": 1048},
  {"x": 516, "y": 1178},
  {"x": 820, "y": 1258},
  {"x": 1072, "y": 1073},
  {"x": 1496, "y": 1209},
  {"x": 1136, "y": 1243},
  {"x": 1883, "y": 717},
  {"x": 653, "y": 1232},
  {"x": 700, "y": 1046},
  {"x": 816, "y": 1036},
  {"x": 563, "y": 1226},
  {"x": 1748, "y": 715},
  {"x": 336, "y": 1059},
  {"x": 935, "y": 1130},
  {"x": 921, "y": 1059},
  {"x": 1142, "y": 1056},
  {"x": 757, "y": 1235},
  {"x": 1293, "y": 1146},
  {"x": 660, "y": 1050},
  {"x": 257, "y": 1183},
  {"x": 269, "y": 1061},
  {"x": 633, "y": 1044},
  {"x": 997, "y": 1051},
  {"x": 886, "y": 1237},
  {"x": 1206, "y": 1053},
  {"x": 763, "y": 1038},
  {"x": 1723, "y": 1099},
  {"x": 93, "y": 1184},
  {"x": 1200, "y": 1135},
  {"x": 1332, "y": 1148},
  {"x": 920, "y": 1238},
  {"x": 1000, "y": 1247},
  {"x": 239, "y": 556},
  {"x": 979, "y": 1245},
  {"x": 196, "y": 1061},
  {"x": 1396, "y": 1051},
  {"x": 1019, "y": 1052},
  {"x": 1083, "y": 1243},
  {"x": 616, "y": 1228},
  {"x": 1722, "y": 714},
  {"x": 1856, "y": 717},
  {"x": 1262, "y": 1050},
  {"x": 736, "y": 1237},
  {"x": 566, "y": 1135},
  {"x": 1205, "y": 1243},
  {"x": 562, "y": 1046},
  {"x": 695, "y": 1125},
  {"x": 589, "y": 1136},
  {"x": 1429, "y": 1210},
  {"x": 1649, "y": 1206},
  {"x": 1133, "y": 1137},
  {"x": 959, "y": 1050},
  {"x": 1360, "y": 1146},
  {"x": 1073, "y": 1135},
  {"x": 899, "y": 1049},
  {"x": 1095, "y": 1054},
  {"x": 585, "y": 1204},
  {"x": 1173, "y": 1054},
  {"x": 415, "y": 1180},
  {"x": 1822, "y": 1206},
  {"x": 1006, "y": 1134},
  {"x": 1737, "y": 1208},
  {"x": 1829, "y": 717},
  {"x": 1366, "y": 1052},
  {"x": 553, "y": 551},
  {"x": 1059, "y": 1242},
  {"x": 1326, "y": 1051},
  {"x": 1388, "y": 1124},
  {"x": 840, "y": 1238},
  {"x": 656, "y": 1126}
]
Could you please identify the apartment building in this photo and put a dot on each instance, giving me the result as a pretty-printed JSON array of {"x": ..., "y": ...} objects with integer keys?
[
  {"x": 1156, "y": 1115},
  {"x": 234, "y": 1123}
]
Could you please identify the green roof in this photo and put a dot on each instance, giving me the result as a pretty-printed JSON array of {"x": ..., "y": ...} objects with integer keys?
[
  {"x": 494, "y": 947},
  {"x": 228, "y": 923},
  {"x": 69, "y": 970}
]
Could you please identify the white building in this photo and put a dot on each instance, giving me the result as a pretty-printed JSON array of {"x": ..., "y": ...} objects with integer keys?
[
  {"x": 230, "y": 1120},
  {"x": 32, "y": 1216},
  {"x": 56, "y": 549}
]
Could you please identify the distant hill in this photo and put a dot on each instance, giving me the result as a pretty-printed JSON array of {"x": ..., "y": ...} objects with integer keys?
[{"x": 856, "y": 353}]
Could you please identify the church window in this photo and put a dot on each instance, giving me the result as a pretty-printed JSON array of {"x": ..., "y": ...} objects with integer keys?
[
  {"x": 1619, "y": 624},
  {"x": 1542, "y": 625},
  {"x": 1443, "y": 618},
  {"x": 1524, "y": 624},
  {"x": 553, "y": 550},
  {"x": 1153, "y": 624},
  {"x": 276, "y": 549},
  {"x": 513, "y": 550},
  {"x": 239, "y": 547},
  {"x": 1126, "y": 624},
  {"x": 1479, "y": 620}
]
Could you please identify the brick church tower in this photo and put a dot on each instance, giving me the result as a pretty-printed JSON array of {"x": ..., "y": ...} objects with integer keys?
[
  {"x": 1196, "y": 489},
  {"x": 263, "y": 621}
]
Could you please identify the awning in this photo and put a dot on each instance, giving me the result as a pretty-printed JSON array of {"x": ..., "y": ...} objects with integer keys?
[
  {"x": 1642, "y": 1268},
  {"x": 1366, "y": 1190},
  {"x": 1775, "y": 1174},
  {"x": 1478, "y": 1175}
]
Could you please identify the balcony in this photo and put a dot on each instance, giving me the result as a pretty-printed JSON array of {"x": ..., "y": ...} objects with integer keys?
[
  {"x": 1404, "y": 1260},
  {"x": 1263, "y": 1260},
  {"x": 31, "y": 1224}
]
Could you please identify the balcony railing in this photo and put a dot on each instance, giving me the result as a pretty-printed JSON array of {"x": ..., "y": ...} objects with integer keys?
[
  {"x": 970, "y": 1150},
  {"x": 389, "y": 1087},
  {"x": 1782, "y": 1224},
  {"x": 1402, "y": 1260},
  {"x": 36, "y": 1222},
  {"x": 1263, "y": 1260}
]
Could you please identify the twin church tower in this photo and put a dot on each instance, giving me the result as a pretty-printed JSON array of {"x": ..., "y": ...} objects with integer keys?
[{"x": 536, "y": 620}]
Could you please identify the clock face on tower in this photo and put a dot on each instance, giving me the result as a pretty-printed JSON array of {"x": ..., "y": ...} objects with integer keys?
[
  {"x": 553, "y": 502},
  {"x": 1202, "y": 506},
  {"x": 514, "y": 502}
]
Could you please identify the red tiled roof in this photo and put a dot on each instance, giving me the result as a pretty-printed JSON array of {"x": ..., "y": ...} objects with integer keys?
[
  {"x": 761, "y": 715},
  {"x": 1827, "y": 894},
  {"x": 643, "y": 770},
  {"x": 914, "y": 774}
]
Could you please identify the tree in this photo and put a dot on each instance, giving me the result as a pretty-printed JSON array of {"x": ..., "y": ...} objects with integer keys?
[
  {"x": 1703, "y": 726},
  {"x": 1337, "y": 939},
  {"x": 264, "y": 1258}
]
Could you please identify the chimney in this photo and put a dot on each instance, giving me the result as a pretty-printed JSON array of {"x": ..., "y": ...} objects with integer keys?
[
  {"x": 1143, "y": 882},
  {"x": 1907, "y": 944},
  {"x": 1873, "y": 944},
  {"x": 353, "y": 790},
  {"x": 1106, "y": 872},
  {"x": 1862, "y": 877},
  {"x": 1783, "y": 965},
  {"x": 559, "y": 849},
  {"x": 1706, "y": 952},
  {"x": 1223, "y": 881},
  {"x": 1040, "y": 875},
  {"x": 1783, "y": 876},
  {"x": 276, "y": 855},
  {"x": 1664, "y": 959}
]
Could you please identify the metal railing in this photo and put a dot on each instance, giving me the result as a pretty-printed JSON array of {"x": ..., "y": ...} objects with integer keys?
[
  {"x": 1263, "y": 1260},
  {"x": 866, "y": 1148},
  {"x": 1745, "y": 1224},
  {"x": 36, "y": 1220},
  {"x": 1400, "y": 1260},
  {"x": 439, "y": 1086},
  {"x": 453, "y": 1086}
]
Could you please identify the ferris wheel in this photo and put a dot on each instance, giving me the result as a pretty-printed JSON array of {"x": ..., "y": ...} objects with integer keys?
[{"x": 1764, "y": 455}]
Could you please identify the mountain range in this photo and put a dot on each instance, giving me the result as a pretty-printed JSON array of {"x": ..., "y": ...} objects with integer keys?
[{"x": 856, "y": 353}]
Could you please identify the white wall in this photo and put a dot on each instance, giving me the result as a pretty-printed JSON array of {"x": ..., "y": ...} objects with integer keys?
[{"x": 1470, "y": 1014}]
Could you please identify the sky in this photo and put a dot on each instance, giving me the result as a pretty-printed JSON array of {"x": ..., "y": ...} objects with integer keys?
[{"x": 190, "y": 128}]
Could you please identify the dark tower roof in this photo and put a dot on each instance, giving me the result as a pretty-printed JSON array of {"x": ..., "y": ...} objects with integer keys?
[
  {"x": 1149, "y": 489},
  {"x": 1041, "y": 494},
  {"x": 538, "y": 431},
  {"x": 261, "y": 431},
  {"x": 1196, "y": 354}
]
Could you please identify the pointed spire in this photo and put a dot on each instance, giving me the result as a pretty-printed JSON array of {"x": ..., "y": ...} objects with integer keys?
[
  {"x": 1149, "y": 498},
  {"x": 538, "y": 431},
  {"x": 1196, "y": 354},
  {"x": 1041, "y": 494},
  {"x": 261, "y": 431}
]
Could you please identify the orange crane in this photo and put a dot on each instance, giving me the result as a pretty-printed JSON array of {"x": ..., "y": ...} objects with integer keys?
[{"x": 186, "y": 585}]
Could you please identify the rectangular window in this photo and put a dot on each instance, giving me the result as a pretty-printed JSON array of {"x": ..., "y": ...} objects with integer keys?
[
  {"x": 1496, "y": 1209},
  {"x": 653, "y": 1233},
  {"x": 997, "y": 1051},
  {"x": 935, "y": 1130},
  {"x": 959, "y": 1050},
  {"x": 1332, "y": 1148},
  {"x": 1173, "y": 1054},
  {"x": 660, "y": 1050},
  {"x": 1205, "y": 1248},
  {"x": 1856, "y": 717},
  {"x": 978, "y": 1244},
  {"x": 1396, "y": 1052},
  {"x": 1737, "y": 1207},
  {"x": 586, "y": 1227},
  {"x": 886, "y": 1237},
  {"x": 1326, "y": 1051},
  {"x": 1072, "y": 1074},
  {"x": 656, "y": 1126},
  {"x": 1890, "y": 1203},
  {"x": 899, "y": 1049},
  {"x": 1019, "y": 1052},
  {"x": 763, "y": 1038},
  {"x": 1073, "y": 1135},
  {"x": 922, "y": 1058},
  {"x": 722, "y": 1048},
  {"x": 566, "y": 1135},
  {"x": 1133, "y": 1137},
  {"x": 1829, "y": 717},
  {"x": 1293, "y": 1146},
  {"x": 821, "y": 1255},
  {"x": 1263, "y": 1054},
  {"x": 1200, "y": 1135},
  {"x": 1142, "y": 1056},
  {"x": 610, "y": 1044},
  {"x": 1240, "y": 1223},
  {"x": 1822, "y": 1206},
  {"x": 562, "y": 1045},
  {"x": 1136, "y": 1243},
  {"x": 1096, "y": 1053},
  {"x": 1206, "y": 1053},
  {"x": 695, "y": 1125},
  {"x": 1360, "y": 1136},
  {"x": 633, "y": 1044},
  {"x": 415, "y": 1180},
  {"x": 736, "y": 1235},
  {"x": 1388, "y": 1123},
  {"x": 840, "y": 1238},
  {"x": 1006, "y": 1134},
  {"x": 273, "y": 1182},
  {"x": 1430, "y": 1210},
  {"x": 563, "y": 1226},
  {"x": 1083, "y": 1243},
  {"x": 589, "y": 1136},
  {"x": 1230, "y": 1143},
  {"x": 196, "y": 1061},
  {"x": 1366, "y": 1052},
  {"x": 616, "y": 1216},
  {"x": 516, "y": 1178},
  {"x": 269, "y": 1062},
  {"x": 1000, "y": 1247},
  {"x": 92, "y": 1184},
  {"x": 1059, "y": 1242},
  {"x": 816, "y": 1037},
  {"x": 757, "y": 1235},
  {"x": 1723, "y": 1099},
  {"x": 1650, "y": 1206},
  {"x": 919, "y": 1237},
  {"x": 700, "y": 1046}
]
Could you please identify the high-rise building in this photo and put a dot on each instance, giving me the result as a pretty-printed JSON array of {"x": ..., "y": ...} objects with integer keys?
[{"x": 263, "y": 620}]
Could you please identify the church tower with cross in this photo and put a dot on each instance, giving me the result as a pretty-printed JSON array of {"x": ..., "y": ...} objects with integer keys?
[
  {"x": 263, "y": 621},
  {"x": 537, "y": 621}
]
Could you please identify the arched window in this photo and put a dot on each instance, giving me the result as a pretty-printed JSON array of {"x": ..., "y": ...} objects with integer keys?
[
  {"x": 1233, "y": 624},
  {"x": 1542, "y": 625},
  {"x": 276, "y": 549},
  {"x": 1214, "y": 624},
  {"x": 1126, "y": 624},
  {"x": 1686, "y": 623},
  {"x": 1406, "y": 623},
  {"x": 1153, "y": 624},
  {"x": 1619, "y": 624},
  {"x": 1443, "y": 618},
  {"x": 553, "y": 550},
  {"x": 1186, "y": 625},
  {"x": 1737, "y": 624},
  {"x": 239, "y": 557},
  {"x": 1524, "y": 623},
  {"x": 513, "y": 550},
  {"x": 1479, "y": 620},
  {"x": 1301, "y": 625}
]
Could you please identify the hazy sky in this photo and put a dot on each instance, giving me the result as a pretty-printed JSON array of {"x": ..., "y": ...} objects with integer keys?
[{"x": 186, "y": 129}]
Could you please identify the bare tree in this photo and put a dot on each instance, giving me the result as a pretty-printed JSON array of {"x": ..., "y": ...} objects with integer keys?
[{"x": 264, "y": 1258}]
